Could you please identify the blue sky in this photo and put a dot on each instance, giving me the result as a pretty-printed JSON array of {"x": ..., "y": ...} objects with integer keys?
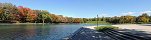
[{"x": 87, "y": 8}]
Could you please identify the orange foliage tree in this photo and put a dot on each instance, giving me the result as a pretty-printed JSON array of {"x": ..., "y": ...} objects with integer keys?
[{"x": 26, "y": 14}]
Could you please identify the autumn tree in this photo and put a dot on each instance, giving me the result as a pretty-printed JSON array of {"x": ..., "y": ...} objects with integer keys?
[
  {"x": 26, "y": 14},
  {"x": 70, "y": 19},
  {"x": 127, "y": 19},
  {"x": 114, "y": 19},
  {"x": 144, "y": 18},
  {"x": 77, "y": 20},
  {"x": 8, "y": 12}
]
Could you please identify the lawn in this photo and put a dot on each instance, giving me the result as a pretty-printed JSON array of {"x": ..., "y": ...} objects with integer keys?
[
  {"x": 95, "y": 22},
  {"x": 102, "y": 28}
]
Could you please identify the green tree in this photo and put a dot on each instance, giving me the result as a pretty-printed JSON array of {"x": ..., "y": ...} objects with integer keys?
[
  {"x": 85, "y": 20},
  {"x": 43, "y": 15},
  {"x": 150, "y": 18}
]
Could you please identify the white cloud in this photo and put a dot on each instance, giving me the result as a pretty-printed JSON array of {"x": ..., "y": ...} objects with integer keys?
[
  {"x": 146, "y": 12},
  {"x": 137, "y": 13},
  {"x": 104, "y": 15},
  {"x": 128, "y": 13}
]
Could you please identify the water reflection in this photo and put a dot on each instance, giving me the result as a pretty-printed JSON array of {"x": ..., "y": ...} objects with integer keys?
[{"x": 37, "y": 31}]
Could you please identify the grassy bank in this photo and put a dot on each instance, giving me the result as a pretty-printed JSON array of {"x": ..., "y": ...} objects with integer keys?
[
  {"x": 102, "y": 28},
  {"x": 95, "y": 22}
]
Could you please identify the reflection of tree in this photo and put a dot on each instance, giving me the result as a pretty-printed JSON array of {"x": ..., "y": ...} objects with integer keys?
[
  {"x": 18, "y": 32},
  {"x": 40, "y": 32},
  {"x": 23, "y": 32},
  {"x": 30, "y": 31},
  {"x": 13, "y": 33}
]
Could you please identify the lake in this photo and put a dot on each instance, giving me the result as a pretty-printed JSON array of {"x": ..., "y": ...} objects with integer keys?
[{"x": 37, "y": 31}]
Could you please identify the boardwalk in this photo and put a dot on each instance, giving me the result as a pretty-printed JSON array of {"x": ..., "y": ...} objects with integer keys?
[{"x": 88, "y": 34}]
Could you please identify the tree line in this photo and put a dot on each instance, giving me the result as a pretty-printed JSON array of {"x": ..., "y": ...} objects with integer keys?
[
  {"x": 141, "y": 19},
  {"x": 10, "y": 13}
]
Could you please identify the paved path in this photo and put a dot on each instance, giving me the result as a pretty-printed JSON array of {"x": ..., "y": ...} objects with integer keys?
[
  {"x": 139, "y": 27},
  {"x": 142, "y": 30},
  {"x": 88, "y": 34},
  {"x": 91, "y": 34}
]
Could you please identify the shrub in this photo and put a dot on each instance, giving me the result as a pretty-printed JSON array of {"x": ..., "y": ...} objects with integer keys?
[{"x": 102, "y": 28}]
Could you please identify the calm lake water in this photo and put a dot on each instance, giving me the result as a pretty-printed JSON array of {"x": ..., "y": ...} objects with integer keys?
[{"x": 37, "y": 31}]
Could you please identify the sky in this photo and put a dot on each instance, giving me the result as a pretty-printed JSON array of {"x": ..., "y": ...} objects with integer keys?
[{"x": 87, "y": 8}]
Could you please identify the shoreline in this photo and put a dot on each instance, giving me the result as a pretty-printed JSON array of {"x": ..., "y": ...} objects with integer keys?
[
  {"x": 23, "y": 23},
  {"x": 139, "y": 27},
  {"x": 39, "y": 23},
  {"x": 90, "y": 27}
]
